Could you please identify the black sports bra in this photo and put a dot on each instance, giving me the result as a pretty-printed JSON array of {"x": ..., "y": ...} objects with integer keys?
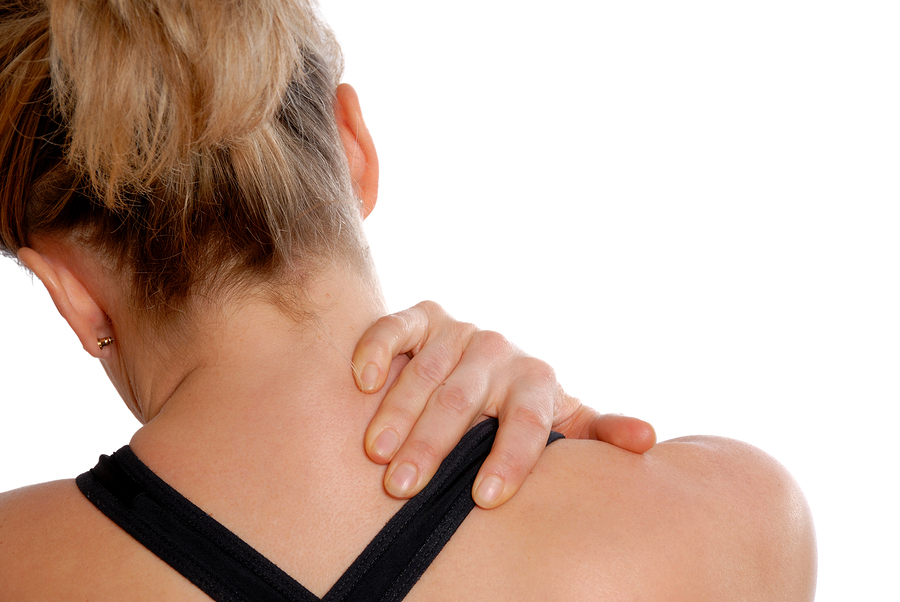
[{"x": 228, "y": 569}]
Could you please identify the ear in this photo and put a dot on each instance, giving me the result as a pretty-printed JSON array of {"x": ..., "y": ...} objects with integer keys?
[
  {"x": 73, "y": 300},
  {"x": 358, "y": 146}
]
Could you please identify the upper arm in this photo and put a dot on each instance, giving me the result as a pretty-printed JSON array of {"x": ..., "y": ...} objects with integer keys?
[
  {"x": 54, "y": 545},
  {"x": 695, "y": 519},
  {"x": 26, "y": 515}
]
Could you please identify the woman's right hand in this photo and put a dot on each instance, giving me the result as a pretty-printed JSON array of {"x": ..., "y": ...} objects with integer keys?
[{"x": 457, "y": 375}]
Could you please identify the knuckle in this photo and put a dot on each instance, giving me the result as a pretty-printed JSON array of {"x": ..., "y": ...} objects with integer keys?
[
  {"x": 393, "y": 322},
  {"x": 510, "y": 464},
  {"x": 454, "y": 400},
  {"x": 463, "y": 330},
  {"x": 377, "y": 347},
  {"x": 428, "y": 370},
  {"x": 493, "y": 343},
  {"x": 537, "y": 372},
  {"x": 569, "y": 412},
  {"x": 431, "y": 308},
  {"x": 425, "y": 452},
  {"x": 531, "y": 418},
  {"x": 399, "y": 417}
]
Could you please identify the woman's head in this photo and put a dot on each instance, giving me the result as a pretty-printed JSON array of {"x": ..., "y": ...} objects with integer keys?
[{"x": 190, "y": 145}]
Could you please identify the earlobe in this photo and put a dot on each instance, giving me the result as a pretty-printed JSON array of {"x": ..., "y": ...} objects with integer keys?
[
  {"x": 72, "y": 299},
  {"x": 358, "y": 146}
]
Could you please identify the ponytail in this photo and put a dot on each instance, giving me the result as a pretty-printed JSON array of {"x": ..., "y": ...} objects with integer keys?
[{"x": 190, "y": 140}]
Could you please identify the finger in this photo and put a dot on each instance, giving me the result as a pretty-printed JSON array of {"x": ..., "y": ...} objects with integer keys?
[
  {"x": 402, "y": 332},
  {"x": 629, "y": 433},
  {"x": 450, "y": 411},
  {"x": 525, "y": 419},
  {"x": 452, "y": 408},
  {"x": 525, "y": 424},
  {"x": 632, "y": 434},
  {"x": 403, "y": 405}
]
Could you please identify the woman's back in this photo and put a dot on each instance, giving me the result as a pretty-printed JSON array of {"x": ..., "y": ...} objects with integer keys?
[{"x": 706, "y": 519}]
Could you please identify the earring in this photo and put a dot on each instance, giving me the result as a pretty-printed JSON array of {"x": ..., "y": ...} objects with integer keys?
[{"x": 104, "y": 342}]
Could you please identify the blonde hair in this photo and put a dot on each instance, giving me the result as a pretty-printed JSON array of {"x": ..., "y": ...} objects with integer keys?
[{"x": 193, "y": 142}]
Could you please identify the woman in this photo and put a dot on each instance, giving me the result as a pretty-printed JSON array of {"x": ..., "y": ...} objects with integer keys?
[
  {"x": 173, "y": 217},
  {"x": 408, "y": 332}
]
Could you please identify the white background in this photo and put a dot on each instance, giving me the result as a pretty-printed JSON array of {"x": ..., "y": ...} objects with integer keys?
[{"x": 690, "y": 209}]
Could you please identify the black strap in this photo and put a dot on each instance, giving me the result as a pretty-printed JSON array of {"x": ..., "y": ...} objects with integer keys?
[
  {"x": 182, "y": 535},
  {"x": 227, "y": 569}
]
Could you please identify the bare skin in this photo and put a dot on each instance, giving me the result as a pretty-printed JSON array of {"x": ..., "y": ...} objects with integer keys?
[
  {"x": 592, "y": 522},
  {"x": 698, "y": 519},
  {"x": 703, "y": 519},
  {"x": 458, "y": 375}
]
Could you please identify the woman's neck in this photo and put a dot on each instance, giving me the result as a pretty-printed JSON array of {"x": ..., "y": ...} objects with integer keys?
[
  {"x": 263, "y": 385},
  {"x": 264, "y": 431}
]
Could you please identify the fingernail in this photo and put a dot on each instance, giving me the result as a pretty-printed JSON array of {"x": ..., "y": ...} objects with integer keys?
[
  {"x": 403, "y": 479},
  {"x": 386, "y": 444},
  {"x": 368, "y": 378},
  {"x": 488, "y": 491}
]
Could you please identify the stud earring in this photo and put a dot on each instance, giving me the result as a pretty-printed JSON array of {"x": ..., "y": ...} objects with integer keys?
[{"x": 105, "y": 341}]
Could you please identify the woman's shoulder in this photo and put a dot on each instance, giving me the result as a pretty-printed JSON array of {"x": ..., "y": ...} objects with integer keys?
[
  {"x": 54, "y": 544},
  {"x": 38, "y": 526},
  {"x": 36, "y": 515},
  {"x": 698, "y": 518}
]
